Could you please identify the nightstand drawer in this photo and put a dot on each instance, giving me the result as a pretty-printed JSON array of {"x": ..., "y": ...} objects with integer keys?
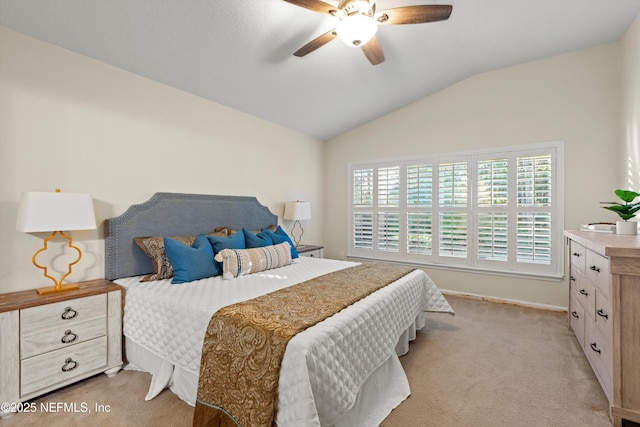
[
  {"x": 50, "y": 368},
  {"x": 61, "y": 314},
  {"x": 61, "y": 336},
  {"x": 311, "y": 251},
  {"x": 312, "y": 254}
]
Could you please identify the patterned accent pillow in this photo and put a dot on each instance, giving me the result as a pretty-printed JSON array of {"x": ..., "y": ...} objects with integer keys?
[
  {"x": 153, "y": 247},
  {"x": 231, "y": 231},
  {"x": 238, "y": 262}
]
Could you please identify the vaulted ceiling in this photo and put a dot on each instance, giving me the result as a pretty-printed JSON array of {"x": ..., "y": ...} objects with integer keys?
[{"x": 239, "y": 52}]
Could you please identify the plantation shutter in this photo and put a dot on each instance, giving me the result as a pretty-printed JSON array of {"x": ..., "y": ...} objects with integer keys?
[
  {"x": 493, "y": 210},
  {"x": 534, "y": 186},
  {"x": 388, "y": 213},
  {"x": 419, "y": 209},
  {"x": 492, "y": 207},
  {"x": 363, "y": 191},
  {"x": 453, "y": 195}
]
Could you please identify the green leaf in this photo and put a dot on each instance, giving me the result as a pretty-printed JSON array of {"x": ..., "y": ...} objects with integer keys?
[
  {"x": 616, "y": 208},
  {"x": 627, "y": 210},
  {"x": 627, "y": 195}
]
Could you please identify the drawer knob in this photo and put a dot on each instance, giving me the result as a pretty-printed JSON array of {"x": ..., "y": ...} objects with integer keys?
[
  {"x": 601, "y": 313},
  {"x": 583, "y": 292},
  {"x": 575, "y": 314},
  {"x": 68, "y": 337},
  {"x": 594, "y": 268},
  {"x": 595, "y": 348},
  {"x": 69, "y": 313},
  {"x": 573, "y": 279},
  {"x": 576, "y": 254},
  {"x": 69, "y": 365}
]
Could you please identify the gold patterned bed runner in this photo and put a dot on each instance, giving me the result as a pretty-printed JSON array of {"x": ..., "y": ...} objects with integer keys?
[{"x": 245, "y": 342}]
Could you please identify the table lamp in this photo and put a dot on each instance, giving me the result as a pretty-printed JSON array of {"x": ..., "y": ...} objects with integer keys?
[
  {"x": 54, "y": 212},
  {"x": 297, "y": 211}
]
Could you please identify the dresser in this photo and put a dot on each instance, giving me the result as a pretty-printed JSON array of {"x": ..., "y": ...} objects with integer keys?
[
  {"x": 49, "y": 341},
  {"x": 604, "y": 313}
]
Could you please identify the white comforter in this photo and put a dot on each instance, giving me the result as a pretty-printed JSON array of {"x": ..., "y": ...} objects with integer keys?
[{"x": 323, "y": 367}]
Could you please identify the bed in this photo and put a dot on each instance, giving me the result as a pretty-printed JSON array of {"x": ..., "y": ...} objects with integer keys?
[{"x": 343, "y": 370}]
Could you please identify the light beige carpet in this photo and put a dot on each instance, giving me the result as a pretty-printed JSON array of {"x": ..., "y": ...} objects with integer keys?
[{"x": 490, "y": 365}]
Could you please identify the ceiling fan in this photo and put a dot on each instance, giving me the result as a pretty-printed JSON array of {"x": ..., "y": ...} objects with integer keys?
[{"x": 358, "y": 22}]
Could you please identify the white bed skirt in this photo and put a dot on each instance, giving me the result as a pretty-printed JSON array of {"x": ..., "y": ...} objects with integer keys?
[{"x": 384, "y": 390}]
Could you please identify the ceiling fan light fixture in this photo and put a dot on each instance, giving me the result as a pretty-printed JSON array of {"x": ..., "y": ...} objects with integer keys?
[{"x": 356, "y": 30}]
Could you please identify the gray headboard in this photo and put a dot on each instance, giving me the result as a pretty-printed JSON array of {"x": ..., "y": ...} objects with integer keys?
[{"x": 175, "y": 214}]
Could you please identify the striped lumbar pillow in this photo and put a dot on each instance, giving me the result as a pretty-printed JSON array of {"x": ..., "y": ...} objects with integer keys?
[{"x": 238, "y": 262}]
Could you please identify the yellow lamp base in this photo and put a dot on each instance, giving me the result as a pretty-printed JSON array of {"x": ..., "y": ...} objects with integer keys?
[
  {"x": 59, "y": 287},
  {"x": 55, "y": 289},
  {"x": 296, "y": 240}
]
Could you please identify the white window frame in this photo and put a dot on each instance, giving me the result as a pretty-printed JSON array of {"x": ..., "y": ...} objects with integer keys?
[{"x": 553, "y": 270}]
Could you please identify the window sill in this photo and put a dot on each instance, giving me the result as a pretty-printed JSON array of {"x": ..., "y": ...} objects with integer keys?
[{"x": 464, "y": 269}]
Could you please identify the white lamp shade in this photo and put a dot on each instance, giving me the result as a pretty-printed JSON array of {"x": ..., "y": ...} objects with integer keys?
[
  {"x": 55, "y": 211},
  {"x": 297, "y": 211}
]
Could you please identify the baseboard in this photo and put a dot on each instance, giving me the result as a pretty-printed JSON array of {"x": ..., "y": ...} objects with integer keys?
[{"x": 505, "y": 301}]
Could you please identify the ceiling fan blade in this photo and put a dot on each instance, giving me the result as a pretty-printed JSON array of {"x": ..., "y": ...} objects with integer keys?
[
  {"x": 315, "y": 5},
  {"x": 316, "y": 43},
  {"x": 373, "y": 51},
  {"x": 414, "y": 14}
]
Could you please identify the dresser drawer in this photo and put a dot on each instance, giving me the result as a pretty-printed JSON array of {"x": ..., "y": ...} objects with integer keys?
[
  {"x": 584, "y": 291},
  {"x": 576, "y": 317},
  {"x": 603, "y": 314},
  {"x": 577, "y": 254},
  {"x": 54, "y": 367},
  {"x": 61, "y": 336},
  {"x": 62, "y": 314},
  {"x": 597, "y": 347},
  {"x": 597, "y": 270}
]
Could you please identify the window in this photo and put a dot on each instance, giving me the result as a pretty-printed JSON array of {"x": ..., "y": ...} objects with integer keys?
[{"x": 493, "y": 210}]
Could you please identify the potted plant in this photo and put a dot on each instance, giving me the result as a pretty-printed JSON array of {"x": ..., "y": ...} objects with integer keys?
[{"x": 625, "y": 211}]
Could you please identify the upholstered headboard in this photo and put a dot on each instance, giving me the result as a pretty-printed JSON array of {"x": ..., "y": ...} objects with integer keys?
[{"x": 175, "y": 214}]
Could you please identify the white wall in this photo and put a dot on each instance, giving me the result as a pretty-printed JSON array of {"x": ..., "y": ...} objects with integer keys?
[
  {"x": 573, "y": 97},
  {"x": 67, "y": 121},
  {"x": 70, "y": 122},
  {"x": 629, "y": 159}
]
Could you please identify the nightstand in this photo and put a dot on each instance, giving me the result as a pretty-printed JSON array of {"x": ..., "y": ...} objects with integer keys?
[
  {"x": 50, "y": 341},
  {"x": 310, "y": 251}
]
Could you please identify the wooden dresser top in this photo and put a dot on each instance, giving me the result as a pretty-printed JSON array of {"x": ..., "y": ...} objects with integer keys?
[
  {"x": 611, "y": 245},
  {"x": 31, "y": 298}
]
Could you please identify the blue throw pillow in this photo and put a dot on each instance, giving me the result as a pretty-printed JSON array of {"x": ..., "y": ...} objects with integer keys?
[
  {"x": 191, "y": 262},
  {"x": 256, "y": 240},
  {"x": 235, "y": 241},
  {"x": 281, "y": 236}
]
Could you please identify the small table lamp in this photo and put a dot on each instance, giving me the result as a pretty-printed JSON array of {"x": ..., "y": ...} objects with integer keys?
[
  {"x": 54, "y": 212},
  {"x": 297, "y": 211}
]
